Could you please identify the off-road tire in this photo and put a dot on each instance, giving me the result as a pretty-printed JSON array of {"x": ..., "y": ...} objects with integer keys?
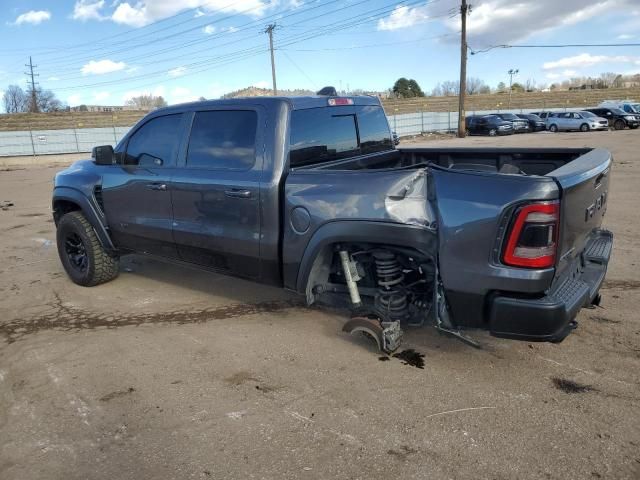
[
  {"x": 76, "y": 233},
  {"x": 618, "y": 125}
]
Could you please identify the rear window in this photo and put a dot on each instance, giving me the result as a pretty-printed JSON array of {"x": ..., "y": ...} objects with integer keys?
[
  {"x": 223, "y": 140},
  {"x": 331, "y": 133}
]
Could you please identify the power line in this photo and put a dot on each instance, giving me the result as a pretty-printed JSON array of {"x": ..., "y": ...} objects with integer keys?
[{"x": 561, "y": 45}]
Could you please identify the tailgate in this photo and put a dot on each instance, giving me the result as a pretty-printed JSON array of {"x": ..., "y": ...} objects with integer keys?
[{"x": 584, "y": 184}]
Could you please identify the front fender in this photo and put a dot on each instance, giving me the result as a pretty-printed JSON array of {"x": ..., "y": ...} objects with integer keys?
[{"x": 89, "y": 209}]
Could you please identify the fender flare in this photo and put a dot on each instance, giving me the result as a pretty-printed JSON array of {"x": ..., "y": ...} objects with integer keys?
[
  {"x": 89, "y": 209},
  {"x": 361, "y": 231}
]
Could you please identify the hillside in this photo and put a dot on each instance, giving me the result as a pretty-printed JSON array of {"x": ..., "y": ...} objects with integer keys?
[{"x": 531, "y": 100}]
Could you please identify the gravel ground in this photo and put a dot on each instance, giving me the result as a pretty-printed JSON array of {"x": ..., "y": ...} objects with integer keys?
[{"x": 169, "y": 372}]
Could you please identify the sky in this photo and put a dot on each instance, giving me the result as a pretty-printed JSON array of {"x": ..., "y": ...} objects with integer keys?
[{"x": 106, "y": 51}]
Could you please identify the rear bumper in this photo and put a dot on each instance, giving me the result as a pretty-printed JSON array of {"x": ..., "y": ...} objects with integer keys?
[{"x": 551, "y": 317}]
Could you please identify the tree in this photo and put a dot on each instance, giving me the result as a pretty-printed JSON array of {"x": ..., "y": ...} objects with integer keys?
[
  {"x": 405, "y": 88},
  {"x": 501, "y": 88},
  {"x": 46, "y": 101},
  {"x": 415, "y": 89},
  {"x": 530, "y": 85},
  {"x": 446, "y": 88},
  {"x": 401, "y": 88},
  {"x": 147, "y": 102},
  {"x": 476, "y": 86},
  {"x": 15, "y": 100},
  {"x": 517, "y": 87}
]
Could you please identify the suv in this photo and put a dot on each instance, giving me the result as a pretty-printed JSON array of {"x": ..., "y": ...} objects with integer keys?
[
  {"x": 583, "y": 121},
  {"x": 618, "y": 119},
  {"x": 536, "y": 123},
  {"x": 628, "y": 106},
  {"x": 491, "y": 125},
  {"x": 519, "y": 125}
]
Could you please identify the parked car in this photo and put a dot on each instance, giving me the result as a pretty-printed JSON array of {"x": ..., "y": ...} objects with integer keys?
[
  {"x": 628, "y": 106},
  {"x": 618, "y": 119},
  {"x": 310, "y": 194},
  {"x": 536, "y": 124},
  {"x": 491, "y": 125},
  {"x": 582, "y": 121},
  {"x": 519, "y": 125},
  {"x": 544, "y": 115}
]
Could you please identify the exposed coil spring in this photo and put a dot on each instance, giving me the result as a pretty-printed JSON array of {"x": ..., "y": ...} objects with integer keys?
[{"x": 391, "y": 299}]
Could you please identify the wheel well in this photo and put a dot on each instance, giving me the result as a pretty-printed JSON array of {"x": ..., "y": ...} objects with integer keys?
[{"x": 62, "y": 207}]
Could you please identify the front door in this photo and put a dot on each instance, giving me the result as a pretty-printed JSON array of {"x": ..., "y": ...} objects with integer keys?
[
  {"x": 137, "y": 192},
  {"x": 216, "y": 192}
]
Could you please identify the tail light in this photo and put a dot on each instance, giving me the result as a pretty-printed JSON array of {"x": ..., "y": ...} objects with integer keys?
[{"x": 533, "y": 238}]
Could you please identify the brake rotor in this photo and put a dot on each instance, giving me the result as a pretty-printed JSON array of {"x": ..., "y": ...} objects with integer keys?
[{"x": 369, "y": 326}]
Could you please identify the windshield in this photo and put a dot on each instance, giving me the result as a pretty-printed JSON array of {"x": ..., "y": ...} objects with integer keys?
[
  {"x": 618, "y": 111},
  {"x": 636, "y": 107},
  {"x": 587, "y": 114},
  {"x": 509, "y": 116},
  {"x": 534, "y": 117}
]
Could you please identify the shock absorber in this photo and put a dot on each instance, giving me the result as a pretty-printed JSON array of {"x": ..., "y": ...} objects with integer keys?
[{"x": 391, "y": 299}]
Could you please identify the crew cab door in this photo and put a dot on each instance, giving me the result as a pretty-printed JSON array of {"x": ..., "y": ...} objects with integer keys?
[
  {"x": 216, "y": 191},
  {"x": 137, "y": 192}
]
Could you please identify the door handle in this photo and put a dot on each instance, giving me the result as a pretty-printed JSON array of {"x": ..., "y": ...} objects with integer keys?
[
  {"x": 157, "y": 186},
  {"x": 237, "y": 193}
]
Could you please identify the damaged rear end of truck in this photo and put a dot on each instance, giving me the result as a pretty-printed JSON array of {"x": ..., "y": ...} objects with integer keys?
[{"x": 505, "y": 240}]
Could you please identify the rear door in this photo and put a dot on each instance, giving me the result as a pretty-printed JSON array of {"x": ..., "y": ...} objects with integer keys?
[
  {"x": 216, "y": 192},
  {"x": 137, "y": 193}
]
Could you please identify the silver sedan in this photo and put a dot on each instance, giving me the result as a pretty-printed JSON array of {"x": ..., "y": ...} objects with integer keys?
[{"x": 582, "y": 121}]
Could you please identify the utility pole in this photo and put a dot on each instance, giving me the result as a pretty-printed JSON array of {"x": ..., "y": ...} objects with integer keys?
[
  {"x": 464, "y": 10},
  {"x": 511, "y": 73},
  {"x": 269, "y": 30},
  {"x": 33, "y": 107}
]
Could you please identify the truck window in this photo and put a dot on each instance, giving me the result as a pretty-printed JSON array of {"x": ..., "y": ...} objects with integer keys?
[
  {"x": 155, "y": 143},
  {"x": 374, "y": 129},
  {"x": 322, "y": 134},
  {"x": 223, "y": 140}
]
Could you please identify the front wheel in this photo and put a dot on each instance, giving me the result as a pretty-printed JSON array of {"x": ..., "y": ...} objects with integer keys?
[
  {"x": 584, "y": 127},
  {"x": 493, "y": 132},
  {"x": 618, "y": 125},
  {"x": 82, "y": 256},
  {"x": 553, "y": 128}
]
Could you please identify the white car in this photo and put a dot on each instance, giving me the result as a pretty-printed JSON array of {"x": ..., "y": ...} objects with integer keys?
[{"x": 582, "y": 121}]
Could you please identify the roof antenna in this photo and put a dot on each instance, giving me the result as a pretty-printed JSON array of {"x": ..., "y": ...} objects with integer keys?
[{"x": 328, "y": 92}]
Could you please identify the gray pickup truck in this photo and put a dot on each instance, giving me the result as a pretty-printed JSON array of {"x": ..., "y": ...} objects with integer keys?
[{"x": 310, "y": 194}]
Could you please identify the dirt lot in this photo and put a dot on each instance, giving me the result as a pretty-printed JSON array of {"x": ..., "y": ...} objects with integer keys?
[{"x": 169, "y": 372}]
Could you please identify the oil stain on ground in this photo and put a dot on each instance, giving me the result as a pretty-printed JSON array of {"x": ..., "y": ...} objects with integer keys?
[
  {"x": 569, "y": 386},
  {"x": 411, "y": 357},
  {"x": 67, "y": 318}
]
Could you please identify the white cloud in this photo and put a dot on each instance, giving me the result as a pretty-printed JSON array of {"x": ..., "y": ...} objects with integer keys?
[
  {"x": 209, "y": 29},
  {"x": 261, "y": 84},
  {"x": 143, "y": 12},
  {"x": 177, "y": 72},
  {"x": 74, "y": 100},
  {"x": 181, "y": 95},
  {"x": 53, "y": 79},
  {"x": 101, "y": 67},
  {"x": 34, "y": 17},
  {"x": 495, "y": 22},
  {"x": 587, "y": 60},
  {"x": 402, "y": 17},
  {"x": 625, "y": 36},
  {"x": 101, "y": 96},
  {"x": 563, "y": 74},
  {"x": 88, "y": 10},
  {"x": 158, "y": 91}
]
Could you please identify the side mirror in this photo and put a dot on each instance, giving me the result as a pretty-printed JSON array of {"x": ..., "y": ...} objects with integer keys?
[{"x": 103, "y": 155}]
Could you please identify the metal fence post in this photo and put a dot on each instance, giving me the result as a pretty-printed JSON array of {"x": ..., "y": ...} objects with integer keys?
[
  {"x": 449, "y": 129},
  {"x": 113, "y": 126},
  {"x": 395, "y": 126},
  {"x": 75, "y": 133},
  {"x": 33, "y": 146},
  {"x": 421, "y": 121}
]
